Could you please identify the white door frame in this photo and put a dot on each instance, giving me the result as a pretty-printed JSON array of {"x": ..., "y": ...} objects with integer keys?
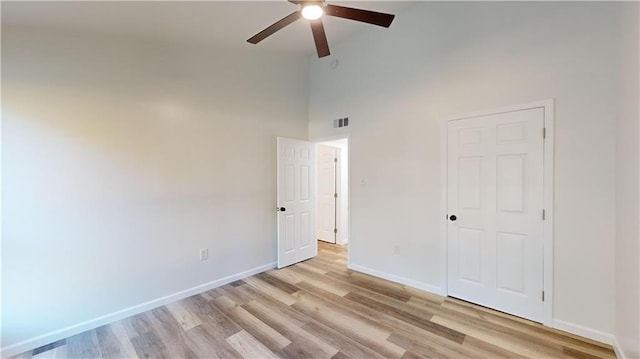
[
  {"x": 548, "y": 106},
  {"x": 348, "y": 174}
]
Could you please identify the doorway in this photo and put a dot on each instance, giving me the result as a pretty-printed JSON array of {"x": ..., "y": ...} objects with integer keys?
[{"x": 332, "y": 169}]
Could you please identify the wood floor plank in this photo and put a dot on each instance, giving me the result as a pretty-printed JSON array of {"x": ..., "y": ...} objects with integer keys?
[
  {"x": 286, "y": 275},
  {"x": 325, "y": 265},
  {"x": 321, "y": 309},
  {"x": 211, "y": 316},
  {"x": 321, "y": 281},
  {"x": 411, "y": 355},
  {"x": 361, "y": 329},
  {"x": 184, "y": 316},
  {"x": 348, "y": 347},
  {"x": 304, "y": 344},
  {"x": 511, "y": 343},
  {"x": 278, "y": 283},
  {"x": 578, "y": 354},
  {"x": 137, "y": 324},
  {"x": 339, "y": 318},
  {"x": 252, "y": 325},
  {"x": 204, "y": 342},
  {"x": 422, "y": 296},
  {"x": 374, "y": 286},
  {"x": 421, "y": 310},
  {"x": 57, "y": 352},
  {"x": 284, "y": 310},
  {"x": 170, "y": 332},
  {"x": 488, "y": 350},
  {"x": 418, "y": 321},
  {"x": 309, "y": 265},
  {"x": 46, "y": 348},
  {"x": 482, "y": 317},
  {"x": 108, "y": 342},
  {"x": 124, "y": 341},
  {"x": 234, "y": 293},
  {"x": 386, "y": 320},
  {"x": 428, "y": 348},
  {"x": 270, "y": 290},
  {"x": 148, "y": 345},
  {"x": 83, "y": 345},
  {"x": 249, "y": 347}
]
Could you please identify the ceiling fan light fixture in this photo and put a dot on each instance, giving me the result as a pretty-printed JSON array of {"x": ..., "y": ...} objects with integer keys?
[{"x": 312, "y": 12}]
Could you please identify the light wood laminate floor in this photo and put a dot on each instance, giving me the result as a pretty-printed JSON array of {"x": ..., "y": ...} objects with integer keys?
[{"x": 320, "y": 309}]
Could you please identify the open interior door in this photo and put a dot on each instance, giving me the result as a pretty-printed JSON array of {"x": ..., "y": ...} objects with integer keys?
[{"x": 296, "y": 201}]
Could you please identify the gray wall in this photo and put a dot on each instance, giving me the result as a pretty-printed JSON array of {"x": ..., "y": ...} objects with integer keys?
[
  {"x": 627, "y": 261},
  {"x": 122, "y": 158},
  {"x": 442, "y": 59}
]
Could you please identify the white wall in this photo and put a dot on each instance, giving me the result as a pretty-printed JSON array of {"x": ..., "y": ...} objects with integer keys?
[
  {"x": 627, "y": 244},
  {"x": 441, "y": 59},
  {"x": 122, "y": 158}
]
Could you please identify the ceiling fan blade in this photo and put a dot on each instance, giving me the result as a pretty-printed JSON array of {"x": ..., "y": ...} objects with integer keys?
[
  {"x": 275, "y": 27},
  {"x": 370, "y": 17},
  {"x": 319, "y": 36},
  {"x": 297, "y": 2}
]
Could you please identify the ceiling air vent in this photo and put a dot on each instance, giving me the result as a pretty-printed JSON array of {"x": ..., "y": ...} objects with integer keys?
[{"x": 341, "y": 122}]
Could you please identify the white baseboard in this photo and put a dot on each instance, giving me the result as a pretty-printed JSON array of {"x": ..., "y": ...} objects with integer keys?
[
  {"x": 72, "y": 330},
  {"x": 618, "y": 349},
  {"x": 590, "y": 333},
  {"x": 394, "y": 278}
]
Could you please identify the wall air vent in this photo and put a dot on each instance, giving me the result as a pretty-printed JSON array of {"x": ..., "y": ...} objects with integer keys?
[{"x": 341, "y": 122}]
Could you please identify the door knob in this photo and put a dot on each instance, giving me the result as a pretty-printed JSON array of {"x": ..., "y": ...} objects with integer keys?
[
  {"x": 453, "y": 217},
  {"x": 282, "y": 209}
]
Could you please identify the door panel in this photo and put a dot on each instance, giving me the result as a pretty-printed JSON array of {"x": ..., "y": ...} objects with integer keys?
[
  {"x": 470, "y": 254},
  {"x": 511, "y": 183},
  {"x": 296, "y": 194},
  {"x": 469, "y": 173},
  {"x": 327, "y": 188},
  {"x": 494, "y": 179}
]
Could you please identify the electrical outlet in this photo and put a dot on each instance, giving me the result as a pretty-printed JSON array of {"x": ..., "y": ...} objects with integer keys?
[
  {"x": 396, "y": 249},
  {"x": 204, "y": 254}
]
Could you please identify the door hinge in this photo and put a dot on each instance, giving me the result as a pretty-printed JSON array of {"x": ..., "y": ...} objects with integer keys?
[
  {"x": 335, "y": 160},
  {"x": 335, "y": 195},
  {"x": 544, "y": 214},
  {"x": 544, "y": 132},
  {"x": 335, "y": 230},
  {"x": 543, "y": 295}
]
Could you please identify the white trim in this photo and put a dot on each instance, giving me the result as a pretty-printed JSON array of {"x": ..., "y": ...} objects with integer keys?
[
  {"x": 444, "y": 244},
  {"x": 617, "y": 348},
  {"x": 342, "y": 136},
  {"x": 548, "y": 202},
  {"x": 593, "y": 334},
  {"x": 397, "y": 279},
  {"x": 548, "y": 188},
  {"x": 72, "y": 330}
]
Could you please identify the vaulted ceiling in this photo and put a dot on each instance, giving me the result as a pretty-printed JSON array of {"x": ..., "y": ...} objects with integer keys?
[{"x": 206, "y": 23}]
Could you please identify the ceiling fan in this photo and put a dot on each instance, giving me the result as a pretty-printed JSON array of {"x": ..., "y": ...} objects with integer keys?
[{"x": 313, "y": 11}]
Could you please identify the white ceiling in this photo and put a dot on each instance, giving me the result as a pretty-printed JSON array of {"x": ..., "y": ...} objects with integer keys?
[{"x": 224, "y": 23}]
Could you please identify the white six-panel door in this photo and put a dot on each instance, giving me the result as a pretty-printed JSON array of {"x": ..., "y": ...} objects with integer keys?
[
  {"x": 296, "y": 201},
  {"x": 327, "y": 191},
  {"x": 495, "y": 192}
]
